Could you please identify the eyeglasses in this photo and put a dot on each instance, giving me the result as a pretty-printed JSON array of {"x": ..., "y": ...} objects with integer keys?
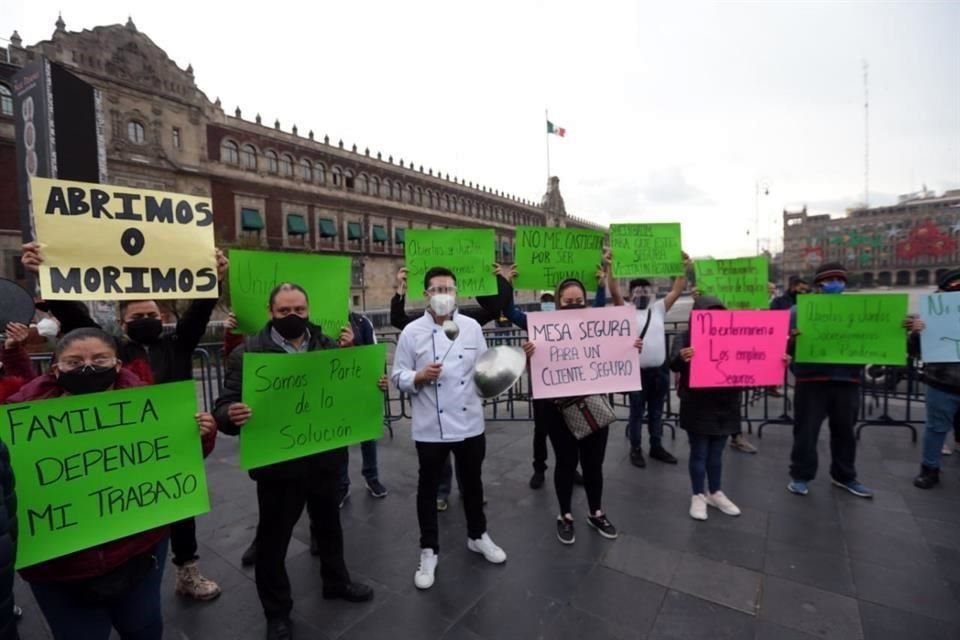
[
  {"x": 75, "y": 363},
  {"x": 442, "y": 290}
]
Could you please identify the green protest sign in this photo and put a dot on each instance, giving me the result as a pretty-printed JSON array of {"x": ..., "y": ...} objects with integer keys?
[
  {"x": 469, "y": 253},
  {"x": 740, "y": 283},
  {"x": 646, "y": 250},
  {"x": 852, "y": 329},
  {"x": 546, "y": 256},
  {"x": 97, "y": 467},
  {"x": 306, "y": 403},
  {"x": 254, "y": 274}
]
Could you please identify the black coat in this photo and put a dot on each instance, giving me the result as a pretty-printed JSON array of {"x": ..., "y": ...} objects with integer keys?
[
  {"x": 8, "y": 545},
  {"x": 301, "y": 468},
  {"x": 490, "y": 309},
  {"x": 709, "y": 412}
]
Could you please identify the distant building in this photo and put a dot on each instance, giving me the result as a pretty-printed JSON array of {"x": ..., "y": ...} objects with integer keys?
[
  {"x": 904, "y": 244},
  {"x": 271, "y": 188}
]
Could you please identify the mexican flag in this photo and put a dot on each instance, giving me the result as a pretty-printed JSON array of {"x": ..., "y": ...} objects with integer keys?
[{"x": 554, "y": 129}]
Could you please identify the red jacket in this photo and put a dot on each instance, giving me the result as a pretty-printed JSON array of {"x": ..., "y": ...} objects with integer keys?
[
  {"x": 103, "y": 558},
  {"x": 16, "y": 363}
]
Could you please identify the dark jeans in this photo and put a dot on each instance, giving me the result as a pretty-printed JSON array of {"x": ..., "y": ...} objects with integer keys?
[
  {"x": 656, "y": 386},
  {"x": 567, "y": 450},
  {"x": 183, "y": 541},
  {"x": 368, "y": 451},
  {"x": 813, "y": 403},
  {"x": 469, "y": 455},
  {"x": 136, "y": 616},
  {"x": 541, "y": 418},
  {"x": 281, "y": 505},
  {"x": 446, "y": 480},
  {"x": 706, "y": 461}
]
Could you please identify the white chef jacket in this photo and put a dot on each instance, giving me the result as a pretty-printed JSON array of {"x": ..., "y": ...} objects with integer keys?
[{"x": 449, "y": 410}]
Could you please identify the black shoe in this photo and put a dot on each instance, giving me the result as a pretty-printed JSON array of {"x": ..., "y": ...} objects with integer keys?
[
  {"x": 636, "y": 458},
  {"x": 279, "y": 629},
  {"x": 661, "y": 454},
  {"x": 249, "y": 557},
  {"x": 577, "y": 478},
  {"x": 565, "y": 532},
  {"x": 603, "y": 526},
  {"x": 536, "y": 480},
  {"x": 929, "y": 478},
  {"x": 376, "y": 489},
  {"x": 343, "y": 495},
  {"x": 353, "y": 592}
]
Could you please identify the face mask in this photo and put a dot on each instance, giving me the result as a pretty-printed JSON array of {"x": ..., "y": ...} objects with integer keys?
[
  {"x": 548, "y": 306},
  {"x": 443, "y": 304},
  {"x": 574, "y": 306},
  {"x": 834, "y": 286},
  {"x": 145, "y": 330},
  {"x": 87, "y": 379},
  {"x": 641, "y": 302},
  {"x": 291, "y": 326},
  {"x": 48, "y": 328}
]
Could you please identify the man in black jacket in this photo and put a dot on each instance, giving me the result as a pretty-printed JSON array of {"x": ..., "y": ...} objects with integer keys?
[
  {"x": 156, "y": 358},
  {"x": 284, "y": 488}
]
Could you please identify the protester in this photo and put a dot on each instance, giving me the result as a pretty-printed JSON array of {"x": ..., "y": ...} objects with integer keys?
[
  {"x": 437, "y": 374},
  {"x": 942, "y": 380},
  {"x": 654, "y": 368},
  {"x": 284, "y": 488},
  {"x": 156, "y": 358},
  {"x": 830, "y": 391},
  {"x": 796, "y": 286},
  {"x": 567, "y": 449},
  {"x": 115, "y": 585}
]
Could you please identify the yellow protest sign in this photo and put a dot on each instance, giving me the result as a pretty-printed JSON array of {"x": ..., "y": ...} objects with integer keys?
[{"x": 111, "y": 242}]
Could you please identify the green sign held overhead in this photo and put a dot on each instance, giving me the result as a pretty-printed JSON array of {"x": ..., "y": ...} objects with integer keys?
[
  {"x": 646, "y": 250},
  {"x": 97, "y": 467},
  {"x": 306, "y": 403},
  {"x": 254, "y": 274},
  {"x": 546, "y": 256},
  {"x": 852, "y": 329},
  {"x": 468, "y": 253},
  {"x": 740, "y": 283}
]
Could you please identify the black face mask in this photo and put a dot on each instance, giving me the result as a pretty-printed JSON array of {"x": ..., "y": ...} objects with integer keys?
[
  {"x": 574, "y": 306},
  {"x": 291, "y": 326},
  {"x": 145, "y": 330},
  {"x": 87, "y": 379},
  {"x": 641, "y": 302}
]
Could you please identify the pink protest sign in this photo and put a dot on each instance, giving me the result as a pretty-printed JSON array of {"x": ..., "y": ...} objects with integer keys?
[
  {"x": 738, "y": 348},
  {"x": 585, "y": 351}
]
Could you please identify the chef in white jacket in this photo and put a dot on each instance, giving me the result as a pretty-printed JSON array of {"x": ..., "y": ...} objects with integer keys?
[{"x": 437, "y": 374}]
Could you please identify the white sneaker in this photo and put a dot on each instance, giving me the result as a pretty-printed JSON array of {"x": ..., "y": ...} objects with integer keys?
[
  {"x": 698, "y": 507},
  {"x": 486, "y": 546},
  {"x": 946, "y": 451},
  {"x": 720, "y": 501},
  {"x": 423, "y": 578}
]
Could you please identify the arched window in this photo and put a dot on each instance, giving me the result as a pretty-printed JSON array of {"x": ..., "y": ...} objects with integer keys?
[
  {"x": 375, "y": 186},
  {"x": 286, "y": 165},
  {"x": 459, "y": 205},
  {"x": 431, "y": 199},
  {"x": 135, "y": 132},
  {"x": 320, "y": 172},
  {"x": 229, "y": 152},
  {"x": 273, "y": 162},
  {"x": 348, "y": 182},
  {"x": 306, "y": 170},
  {"x": 408, "y": 194},
  {"x": 386, "y": 189},
  {"x": 248, "y": 157},
  {"x": 337, "y": 175},
  {"x": 363, "y": 185},
  {"x": 446, "y": 202},
  {"x": 6, "y": 100},
  {"x": 395, "y": 191},
  {"x": 419, "y": 197}
]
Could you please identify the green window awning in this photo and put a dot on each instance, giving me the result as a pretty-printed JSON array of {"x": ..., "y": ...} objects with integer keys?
[
  {"x": 400, "y": 235},
  {"x": 296, "y": 224},
  {"x": 354, "y": 231},
  {"x": 327, "y": 228},
  {"x": 250, "y": 220},
  {"x": 379, "y": 233}
]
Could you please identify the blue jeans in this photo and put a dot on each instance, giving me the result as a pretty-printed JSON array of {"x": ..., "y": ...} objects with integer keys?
[
  {"x": 706, "y": 461},
  {"x": 942, "y": 407},
  {"x": 135, "y": 616},
  {"x": 368, "y": 451},
  {"x": 656, "y": 386}
]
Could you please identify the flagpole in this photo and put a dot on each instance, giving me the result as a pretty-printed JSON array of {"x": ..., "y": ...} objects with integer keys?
[{"x": 547, "y": 116}]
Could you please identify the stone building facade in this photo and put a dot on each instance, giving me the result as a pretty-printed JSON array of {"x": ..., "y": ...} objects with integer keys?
[
  {"x": 271, "y": 188},
  {"x": 906, "y": 244}
]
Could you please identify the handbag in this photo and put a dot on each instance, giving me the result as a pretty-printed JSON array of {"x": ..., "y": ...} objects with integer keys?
[{"x": 586, "y": 414}]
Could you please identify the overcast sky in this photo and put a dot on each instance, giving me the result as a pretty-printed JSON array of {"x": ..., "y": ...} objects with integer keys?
[{"x": 673, "y": 110}]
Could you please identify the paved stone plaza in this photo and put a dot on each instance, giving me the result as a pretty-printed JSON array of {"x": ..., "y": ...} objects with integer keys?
[{"x": 828, "y": 565}]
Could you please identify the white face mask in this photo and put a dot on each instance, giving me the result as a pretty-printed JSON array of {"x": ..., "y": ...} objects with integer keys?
[
  {"x": 48, "y": 328},
  {"x": 443, "y": 304}
]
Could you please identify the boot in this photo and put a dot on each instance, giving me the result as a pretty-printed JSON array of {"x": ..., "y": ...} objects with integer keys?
[
  {"x": 929, "y": 478},
  {"x": 192, "y": 584}
]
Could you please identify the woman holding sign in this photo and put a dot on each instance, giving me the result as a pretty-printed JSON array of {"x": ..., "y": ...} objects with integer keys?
[{"x": 115, "y": 585}]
